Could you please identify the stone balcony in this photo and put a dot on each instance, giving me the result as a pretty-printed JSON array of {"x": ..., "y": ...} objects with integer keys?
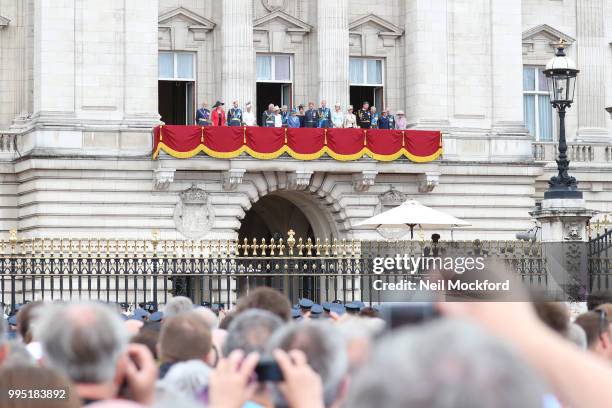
[{"x": 576, "y": 152}]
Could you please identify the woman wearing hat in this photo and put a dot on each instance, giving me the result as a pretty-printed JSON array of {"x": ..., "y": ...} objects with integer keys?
[
  {"x": 278, "y": 119},
  {"x": 217, "y": 117},
  {"x": 248, "y": 117},
  {"x": 293, "y": 121},
  {"x": 401, "y": 123},
  {"x": 350, "y": 120},
  {"x": 337, "y": 116}
]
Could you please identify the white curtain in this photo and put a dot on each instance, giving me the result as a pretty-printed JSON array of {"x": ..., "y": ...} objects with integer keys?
[
  {"x": 282, "y": 68},
  {"x": 375, "y": 72},
  {"x": 166, "y": 65},
  {"x": 356, "y": 71},
  {"x": 264, "y": 68},
  {"x": 184, "y": 66},
  {"x": 529, "y": 113},
  {"x": 545, "y": 117}
]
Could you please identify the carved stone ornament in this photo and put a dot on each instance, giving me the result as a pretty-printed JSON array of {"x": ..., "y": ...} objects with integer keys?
[
  {"x": 392, "y": 197},
  {"x": 274, "y": 5},
  {"x": 194, "y": 215},
  {"x": 572, "y": 232},
  {"x": 364, "y": 180}
]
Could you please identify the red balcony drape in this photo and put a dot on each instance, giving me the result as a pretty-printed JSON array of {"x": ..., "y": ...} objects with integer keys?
[{"x": 301, "y": 144}]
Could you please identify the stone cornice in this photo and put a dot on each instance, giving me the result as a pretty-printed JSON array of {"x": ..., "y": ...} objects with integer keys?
[
  {"x": 197, "y": 21},
  {"x": 293, "y": 24},
  {"x": 548, "y": 31},
  {"x": 388, "y": 29}
]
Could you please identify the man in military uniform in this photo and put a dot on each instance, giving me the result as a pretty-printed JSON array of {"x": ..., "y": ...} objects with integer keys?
[
  {"x": 234, "y": 116},
  {"x": 324, "y": 115},
  {"x": 267, "y": 117},
  {"x": 311, "y": 117},
  {"x": 364, "y": 119},
  {"x": 284, "y": 115},
  {"x": 203, "y": 115}
]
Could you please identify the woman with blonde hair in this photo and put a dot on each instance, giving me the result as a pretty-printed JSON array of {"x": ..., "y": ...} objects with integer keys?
[
  {"x": 337, "y": 117},
  {"x": 350, "y": 120}
]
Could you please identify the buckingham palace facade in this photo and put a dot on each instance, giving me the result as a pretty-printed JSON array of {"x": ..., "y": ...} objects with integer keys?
[{"x": 84, "y": 82}]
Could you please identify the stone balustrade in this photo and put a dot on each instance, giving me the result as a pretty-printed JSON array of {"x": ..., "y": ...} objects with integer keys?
[{"x": 576, "y": 152}]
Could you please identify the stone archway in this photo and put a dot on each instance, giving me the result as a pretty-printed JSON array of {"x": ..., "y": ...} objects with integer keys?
[{"x": 276, "y": 213}]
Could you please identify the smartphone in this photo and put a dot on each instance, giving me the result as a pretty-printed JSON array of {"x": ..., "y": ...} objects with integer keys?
[
  {"x": 403, "y": 314},
  {"x": 268, "y": 370}
]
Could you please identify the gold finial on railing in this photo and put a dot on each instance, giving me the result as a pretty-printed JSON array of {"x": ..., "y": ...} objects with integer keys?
[
  {"x": 272, "y": 247},
  {"x": 245, "y": 247},
  {"x": 326, "y": 247},
  {"x": 263, "y": 247},
  {"x": 318, "y": 246},
  {"x": 13, "y": 239},
  {"x": 300, "y": 247},
  {"x": 254, "y": 246},
  {"x": 334, "y": 247},
  {"x": 291, "y": 241},
  {"x": 281, "y": 247},
  {"x": 154, "y": 239},
  {"x": 309, "y": 247},
  {"x": 597, "y": 227}
]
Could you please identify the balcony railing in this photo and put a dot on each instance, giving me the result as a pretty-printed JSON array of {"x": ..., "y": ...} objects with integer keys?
[{"x": 576, "y": 152}]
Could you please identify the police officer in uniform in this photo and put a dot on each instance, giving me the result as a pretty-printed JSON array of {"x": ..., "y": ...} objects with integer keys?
[
  {"x": 364, "y": 118},
  {"x": 234, "y": 116},
  {"x": 267, "y": 117},
  {"x": 324, "y": 115},
  {"x": 311, "y": 117},
  {"x": 203, "y": 115}
]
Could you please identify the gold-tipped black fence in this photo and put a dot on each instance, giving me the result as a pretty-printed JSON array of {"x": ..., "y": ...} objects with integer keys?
[{"x": 219, "y": 271}]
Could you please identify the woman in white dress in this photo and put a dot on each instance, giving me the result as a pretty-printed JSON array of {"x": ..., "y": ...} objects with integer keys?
[
  {"x": 350, "y": 120},
  {"x": 337, "y": 117},
  {"x": 278, "y": 119},
  {"x": 248, "y": 117}
]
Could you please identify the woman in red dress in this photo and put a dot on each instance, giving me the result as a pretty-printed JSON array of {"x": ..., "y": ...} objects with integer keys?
[{"x": 217, "y": 116}]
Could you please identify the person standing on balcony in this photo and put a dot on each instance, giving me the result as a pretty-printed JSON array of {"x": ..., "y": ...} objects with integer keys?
[
  {"x": 278, "y": 119},
  {"x": 337, "y": 117},
  {"x": 249, "y": 117},
  {"x": 293, "y": 121},
  {"x": 374, "y": 118},
  {"x": 301, "y": 114},
  {"x": 284, "y": 114},
  {"x": 401, "y": 123},
  {"x": 350, "y": 121},
  {"x": 218, "y": 114},
  {"x": 267, "y": 117},
  {"x": 203, "y": 115},
  {"x": 311, "y": 118},
  {"x": 364, "y": 119},
  {"x": 234, "y": 116},
  {"x": 386, "y": 121},
  {"x": 324, "y": 115}
]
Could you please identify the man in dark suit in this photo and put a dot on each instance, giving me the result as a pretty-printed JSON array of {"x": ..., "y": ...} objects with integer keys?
[
  {"x": 203, "y": 115},
  {"x": 364, "y": 118},
  {"x": 311, "y": 117}
]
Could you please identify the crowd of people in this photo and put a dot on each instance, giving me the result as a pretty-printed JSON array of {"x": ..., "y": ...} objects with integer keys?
[
  {"x": 264, "y": 352},
  {"x": 367, "y": 117}
]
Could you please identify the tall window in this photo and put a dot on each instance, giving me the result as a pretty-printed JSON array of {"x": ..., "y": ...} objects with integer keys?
[
  {"x": 274, "y": 68},
  {"x": 537, "y": 110},
  {"x": 366, "y": 71},
  {"x": 176, "y": 66}
]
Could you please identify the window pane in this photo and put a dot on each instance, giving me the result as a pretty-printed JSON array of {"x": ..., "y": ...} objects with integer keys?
[
  {"x": 529, "y": 113},
  {"x": 166, "y": 65},
  {"x": 264, "y": 68},
  {"x": 542, "y": 81},
  {"x": 374, "y": 72},
  {"x": 356, "y": 71},
  {"x": 528, "y": 79},
  {"x": 545, "y": 118},
  {"x": 184, "y": 66},
  {"x": 282, "y": 68}
]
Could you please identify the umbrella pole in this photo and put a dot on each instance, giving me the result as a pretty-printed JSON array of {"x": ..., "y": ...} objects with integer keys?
[{"x": 411, "y": 230}]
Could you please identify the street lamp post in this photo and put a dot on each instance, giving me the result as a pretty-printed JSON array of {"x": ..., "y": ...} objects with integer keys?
[{"x": 561, "y": 73}]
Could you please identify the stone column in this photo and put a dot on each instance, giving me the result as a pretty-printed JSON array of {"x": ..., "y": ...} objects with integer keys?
[
  {"x": 54, "y": 59},
  {"x": 426, "y": 62},
  {"x": 507, "y": 84},
  {"x": 238, "y": 55},
  {"x": 565, "y": 245},
  {"x": 592, "y": 60},
  {"x": 333, "y": 46}
]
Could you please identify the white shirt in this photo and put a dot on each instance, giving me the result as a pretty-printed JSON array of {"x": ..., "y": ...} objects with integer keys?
[
  {"x": 278, "y": 120},
  {"x": 249, "y": 118}
]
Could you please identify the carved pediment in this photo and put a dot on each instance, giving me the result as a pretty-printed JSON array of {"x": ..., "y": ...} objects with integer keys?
[
  {"x": 385, "y": 28},
  {"x": 293, "y": 24},
  {"x": 195, "y": 21},
  {"x": 546, "y": 31},
  {"x": 4, "y": 22}
]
